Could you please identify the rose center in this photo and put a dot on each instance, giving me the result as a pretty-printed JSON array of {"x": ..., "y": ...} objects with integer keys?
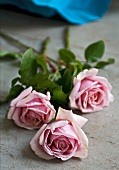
[
  {"x": 32, "y": 118},
  {"x": 62, "y": 145}
]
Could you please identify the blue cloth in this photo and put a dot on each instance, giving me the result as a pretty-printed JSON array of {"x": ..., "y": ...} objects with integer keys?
[{"x": 74, "y": 11}]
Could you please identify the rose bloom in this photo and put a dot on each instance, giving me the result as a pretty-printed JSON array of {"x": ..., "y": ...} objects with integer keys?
[
  {"x": 63, "y": 138},
  {"x": 31, "y": 109},
  {"x": 90, "y": 92}
]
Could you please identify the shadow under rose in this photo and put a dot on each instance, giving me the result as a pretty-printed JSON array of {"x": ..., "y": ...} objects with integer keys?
[
  {"x": 7, "y": 125},
  {"x": 29, "y": 154}
]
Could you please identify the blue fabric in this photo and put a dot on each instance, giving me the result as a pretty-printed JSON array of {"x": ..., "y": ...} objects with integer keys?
[{"x": 74, "y": 11}]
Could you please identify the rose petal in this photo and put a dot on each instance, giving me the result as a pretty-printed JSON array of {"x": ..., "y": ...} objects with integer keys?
[
  {"x": 11, "y": 113},
  {"x": 32, "y": 96},
  {"x": 37, "y": 148},
  {"x": 68, "y": 115},
  {"x": 82, "y": 151},
  {"x": 21, "y": 96},
  {"x": 87, "y": 73}
]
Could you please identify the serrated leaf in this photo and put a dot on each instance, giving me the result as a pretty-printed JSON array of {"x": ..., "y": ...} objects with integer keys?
[
  {"x": 14, "y": 92},
  {"x": 14, "y": 81},
  {"x": 66, "y": 55},
  {"x": 40, "y": 61},
  {"x": 102, "y": 64},
  {"x": 95, "y": 51},
  {"x": 4, "y": 53},
  {"x": 28, "y": 67}
]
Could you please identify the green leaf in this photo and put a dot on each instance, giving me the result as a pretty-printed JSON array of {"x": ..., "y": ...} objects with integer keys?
[
  {"x": 86, "y": 66},
  {"x": 40, "y": 61},
  {"x": 58, "y": 96},
  {"x": 14, "y": 81},
  {"x": 67, "y": 81},
  {"x": 79, "y": 64},
  {"x": 56, "y": 91},
  {"x": 77, "y": 67},
  {"x": 66, "y": 55},
  {"x": 28, "y": 67},
  {"x": 14, "y": 92},
  {"x": 4, "y": 53},
  {"x": 102, "y": 64},
  {"x": 95, "y": 51},
  {"x": 39, "y": 77},
  {"x": 55, "y": 76}
]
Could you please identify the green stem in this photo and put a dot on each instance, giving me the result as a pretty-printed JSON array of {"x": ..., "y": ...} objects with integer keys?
[
  {"x": 67, "y": 39},
  {"x": 6, "y": 36},
  {"x": 44, "y": 45},
  {"x": 43, "y": 51}
]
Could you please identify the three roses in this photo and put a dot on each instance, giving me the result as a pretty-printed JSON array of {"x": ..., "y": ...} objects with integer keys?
[{"x": 62, "y": 138}]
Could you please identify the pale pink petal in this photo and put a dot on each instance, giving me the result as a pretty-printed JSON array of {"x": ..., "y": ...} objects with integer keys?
[
  {"x": 21, "y": 96},
  {"x": 68, "y": 115},
  {"x": 73, "y": 95},
  {"x": 11, "y": 113},
  {"x": 87, "y": 73},
  {"x": 41, "y": 95},
  {"x": 82, "y": 152},
  {"x": 33, "y": 95},
  {"x": 103, "y": 81},
  {"x": 52, "y": 127},
  {"x": 23, "y": 102},
  {"x": 66, "y": 131},
  {"x": 48, "y": 104},
  {"x": 110, "y": 99},
  {"x": 37, "y": 148},
  {"x": 17, "y": 119}
]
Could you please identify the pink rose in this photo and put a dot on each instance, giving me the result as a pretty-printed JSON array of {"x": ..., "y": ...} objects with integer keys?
[
  {"x": 90, "y": 92},
  {"x": 63, "y": 138},
  {"x": 31, "y": 109}
]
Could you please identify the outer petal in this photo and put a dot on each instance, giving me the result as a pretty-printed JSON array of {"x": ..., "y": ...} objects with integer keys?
[
  {"x": 37, "y": 148},
  {"x": 73, "y": 95},
  {"x": 32, "y": 96},
  {"x": 82, "y": 152},
  {"x": 103, "y": 81},
  {"x": 21, "y": 96},
  {"x": 107, "y": 88},
  {"x": 17, "y": 119},
  {"x": 10, "y": 113},
  {"x": 68, "y": 115},
  {"x": 87, "y": 73},
  {"x": 42, "y": 96}
]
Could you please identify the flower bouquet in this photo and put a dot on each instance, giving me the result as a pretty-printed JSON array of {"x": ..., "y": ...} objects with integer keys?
[{"x": 47, "y": 92}]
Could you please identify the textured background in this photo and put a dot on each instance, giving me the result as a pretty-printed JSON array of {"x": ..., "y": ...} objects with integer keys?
[{"x": 102, "y": 128}]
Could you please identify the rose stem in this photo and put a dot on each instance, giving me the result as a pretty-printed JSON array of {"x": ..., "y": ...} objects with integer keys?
[
  {"x": 67, "y": 40},
  {"x": 6, "y": 36},
  {"x": 43, "y": 53},
  {"x": 44, "y": 45}
]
